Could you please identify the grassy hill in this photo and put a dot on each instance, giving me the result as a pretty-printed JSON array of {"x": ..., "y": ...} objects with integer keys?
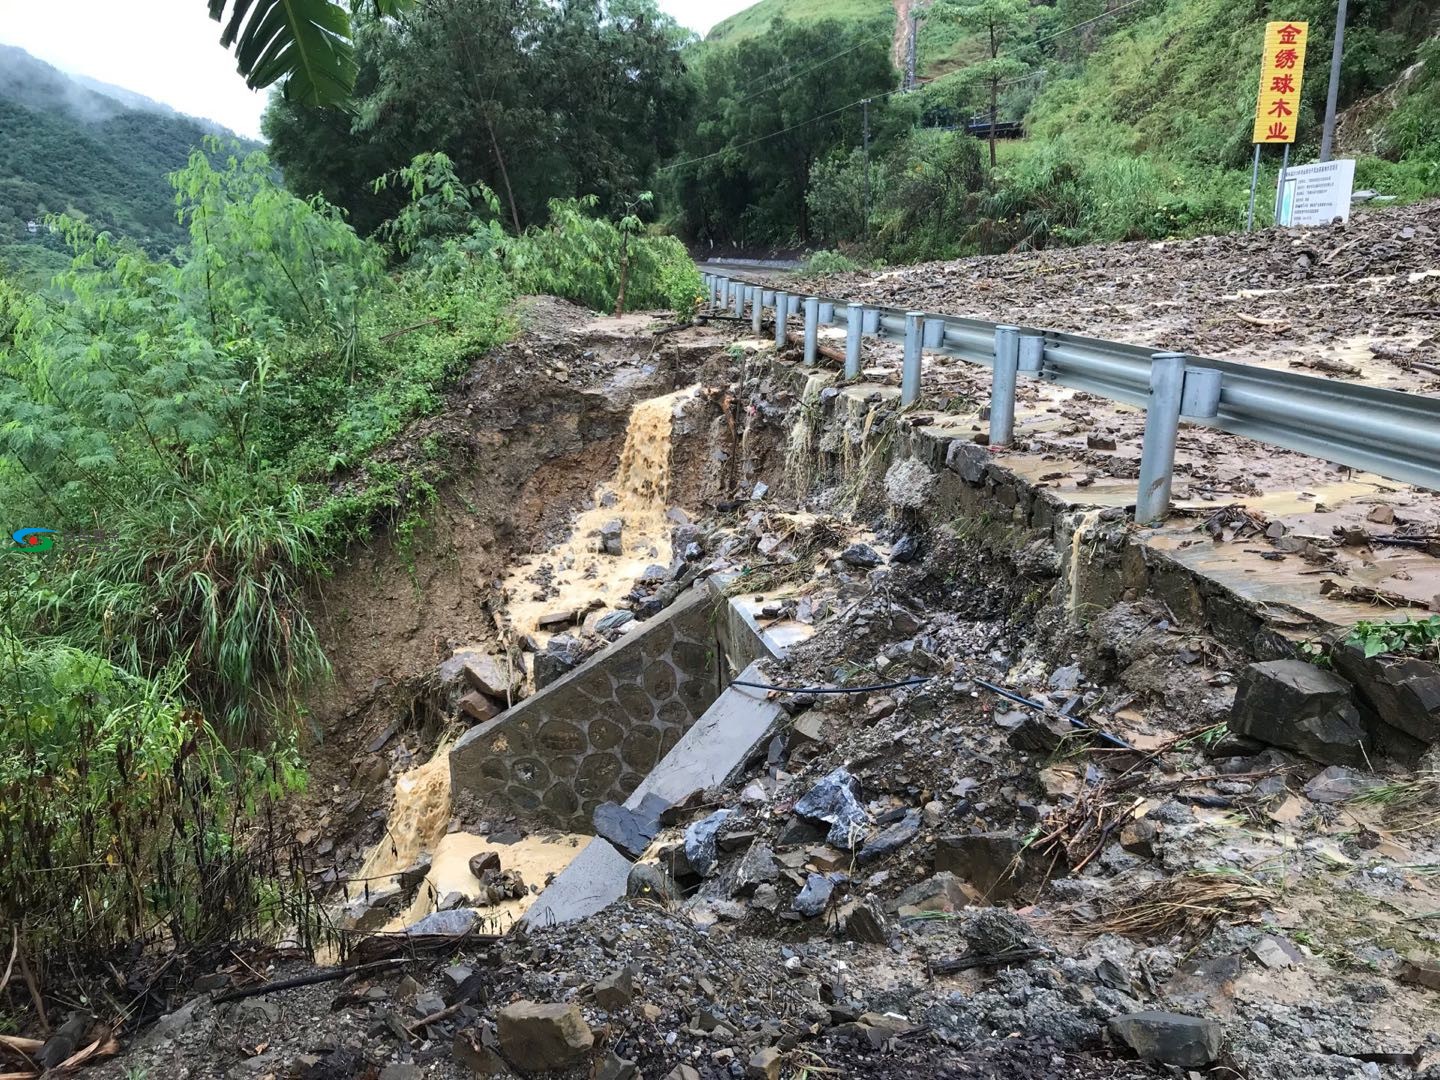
[
  {"x": 753, "y": 20},
  {"x": 64, "y": 148}
]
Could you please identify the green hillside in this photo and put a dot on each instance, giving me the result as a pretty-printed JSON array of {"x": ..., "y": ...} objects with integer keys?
[
  {"x": 65, "y": 148},
  {"x": 1137, "y": 122},
  {"x": 754, "y": 20}
]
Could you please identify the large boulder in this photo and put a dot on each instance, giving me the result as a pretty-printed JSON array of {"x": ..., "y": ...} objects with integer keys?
[
  {"x": 1171, "y": 1038},
  {"x": 630, "y": 830},
  {"x": 1404, "y": 691},
  {"x": 542, "y": 1038},
  {"x": 1298, "y": 706},
  {"x": 483, "y": 671},
  {"x": 834, "y": 802}
]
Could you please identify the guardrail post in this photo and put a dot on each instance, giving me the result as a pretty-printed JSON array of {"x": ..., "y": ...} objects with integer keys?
[
  {"x": 854, "y": 326},
  {"x": 757, "y": 310},
  {"x": 1201, "y": 396},
  {"x": 794, "y": 303},
  {"x": 782, "y": 312},
  {"x": 1032, "y": 354},
  {"x": 812, "y": 329},
  {"x": 767, "y": 297},
  {"x": 1162, "y": 424},
  {"x": 910, "y": 372},
  {"x": 827, "y": 313},
  {"x": 739, "y": 300},
  {"x": 1002, "y": 385},
  {"x": 934, "y": 333},
  {"x": 871, "y": 324},
  {"x": 723, "y": 296}
]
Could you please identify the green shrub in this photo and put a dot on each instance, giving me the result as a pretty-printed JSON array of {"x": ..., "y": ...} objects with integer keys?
[
  {"x": 116, "y": 809},
  {"x": 819, "y": 263}
]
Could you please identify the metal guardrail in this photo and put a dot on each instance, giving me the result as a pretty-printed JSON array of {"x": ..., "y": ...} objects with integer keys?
[{"x": 1393, "y": 434}]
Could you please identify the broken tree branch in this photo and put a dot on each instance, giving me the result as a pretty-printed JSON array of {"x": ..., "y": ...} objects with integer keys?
[{"x": 312, "y": 979}]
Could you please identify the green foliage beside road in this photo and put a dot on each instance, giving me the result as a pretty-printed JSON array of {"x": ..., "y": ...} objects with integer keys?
[{"x": 218, "y": 421}]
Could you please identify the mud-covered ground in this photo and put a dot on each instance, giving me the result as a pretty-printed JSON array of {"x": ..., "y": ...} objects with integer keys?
[
  {"x": 1008, "y": 884},
  {"x": 1354, "y": 301}
]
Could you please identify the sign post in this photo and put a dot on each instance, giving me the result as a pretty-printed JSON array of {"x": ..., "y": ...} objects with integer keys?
[
  {"x": 1315, "y": 194},
  {"x": 1282, "y": 71}
]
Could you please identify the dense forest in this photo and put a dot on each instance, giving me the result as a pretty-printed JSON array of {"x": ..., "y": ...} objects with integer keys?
[
  {"x": 1138, "y": 117},
  {"x": 65, "y": 148}
]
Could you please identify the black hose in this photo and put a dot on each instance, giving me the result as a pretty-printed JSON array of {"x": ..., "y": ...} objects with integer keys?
[{"x": 835, "y": 689}]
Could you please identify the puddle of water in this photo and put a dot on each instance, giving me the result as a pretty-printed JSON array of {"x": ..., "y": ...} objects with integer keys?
[{"x": 637, "y": 496}]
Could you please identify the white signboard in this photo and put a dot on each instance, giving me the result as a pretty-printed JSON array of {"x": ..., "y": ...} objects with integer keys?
[{"x": 1315, "y": 194}]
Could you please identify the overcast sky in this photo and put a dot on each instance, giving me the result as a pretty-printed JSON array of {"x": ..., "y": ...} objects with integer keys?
[{"x": 170, "y": 50}]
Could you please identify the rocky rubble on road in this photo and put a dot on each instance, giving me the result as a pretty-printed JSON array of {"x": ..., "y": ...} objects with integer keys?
[
  {"x": 1353, "y": 301},
  {"x": 1013, "y": 847}
]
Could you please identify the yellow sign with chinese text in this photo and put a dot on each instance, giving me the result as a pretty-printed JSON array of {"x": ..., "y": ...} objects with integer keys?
[{"x": 1281, "y": 72}]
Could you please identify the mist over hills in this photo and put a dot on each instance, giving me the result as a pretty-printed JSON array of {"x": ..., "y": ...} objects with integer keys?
[{"x": 76, "y": 145}]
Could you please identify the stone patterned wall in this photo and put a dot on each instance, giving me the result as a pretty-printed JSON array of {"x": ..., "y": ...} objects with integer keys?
[{"x": 594, "y": 735}]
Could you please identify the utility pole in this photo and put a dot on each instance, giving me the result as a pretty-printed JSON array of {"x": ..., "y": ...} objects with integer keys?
[
  {"x": 866, "y": 104},
  {"x": 1327, "y": 138}
]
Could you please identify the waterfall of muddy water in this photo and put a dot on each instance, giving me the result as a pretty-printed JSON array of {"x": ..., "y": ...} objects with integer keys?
[
  {"x": 800, "y": 448},
  {"x": 581, "y": 575},
  {"x": 418, "y": 824},
  {"x": 1086, "y": 519}
]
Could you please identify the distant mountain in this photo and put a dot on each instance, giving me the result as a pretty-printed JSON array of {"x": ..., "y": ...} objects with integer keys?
[{"x": 88, "y": 149}]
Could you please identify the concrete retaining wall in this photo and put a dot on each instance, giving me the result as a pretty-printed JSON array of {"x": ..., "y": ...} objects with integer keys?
[{"x": 594, "y": 735}]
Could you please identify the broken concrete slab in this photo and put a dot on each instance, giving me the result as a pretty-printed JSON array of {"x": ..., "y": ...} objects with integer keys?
[
  {"x": 594, "y": 880},
  {"x": 1298, "y": 706},
  {"x": 716, "y": 746}
]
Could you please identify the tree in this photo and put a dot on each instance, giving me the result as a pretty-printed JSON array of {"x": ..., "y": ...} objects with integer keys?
[
  {"x": 307, "y": 43},
  {"x": 999, "y": 23},
  {"x": 534, "y": 99},
  {"x": 759, "y": 131}
]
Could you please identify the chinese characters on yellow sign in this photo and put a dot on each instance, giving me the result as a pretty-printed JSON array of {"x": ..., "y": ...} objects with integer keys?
[{"x": 1281, "y": 73}]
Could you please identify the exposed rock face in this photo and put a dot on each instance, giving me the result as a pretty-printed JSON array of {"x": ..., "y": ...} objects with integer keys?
[
  {"x": 1171, "y": 1038},
  {"x": 539, "y": 1038},
  {"x": 1298, "y": 706},
  {"x": 1404, "y": 691}
]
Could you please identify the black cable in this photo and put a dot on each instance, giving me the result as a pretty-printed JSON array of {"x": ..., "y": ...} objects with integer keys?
[
  {"x": 835, "y": 689},
  {"x": 1010, "y": 695}
]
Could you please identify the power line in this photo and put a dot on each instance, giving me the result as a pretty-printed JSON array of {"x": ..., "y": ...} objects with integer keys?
[
  {"x": 776, "y": 134},
  {"x": 873, "y": 97},
  {"x": 813, "y": 67}
]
